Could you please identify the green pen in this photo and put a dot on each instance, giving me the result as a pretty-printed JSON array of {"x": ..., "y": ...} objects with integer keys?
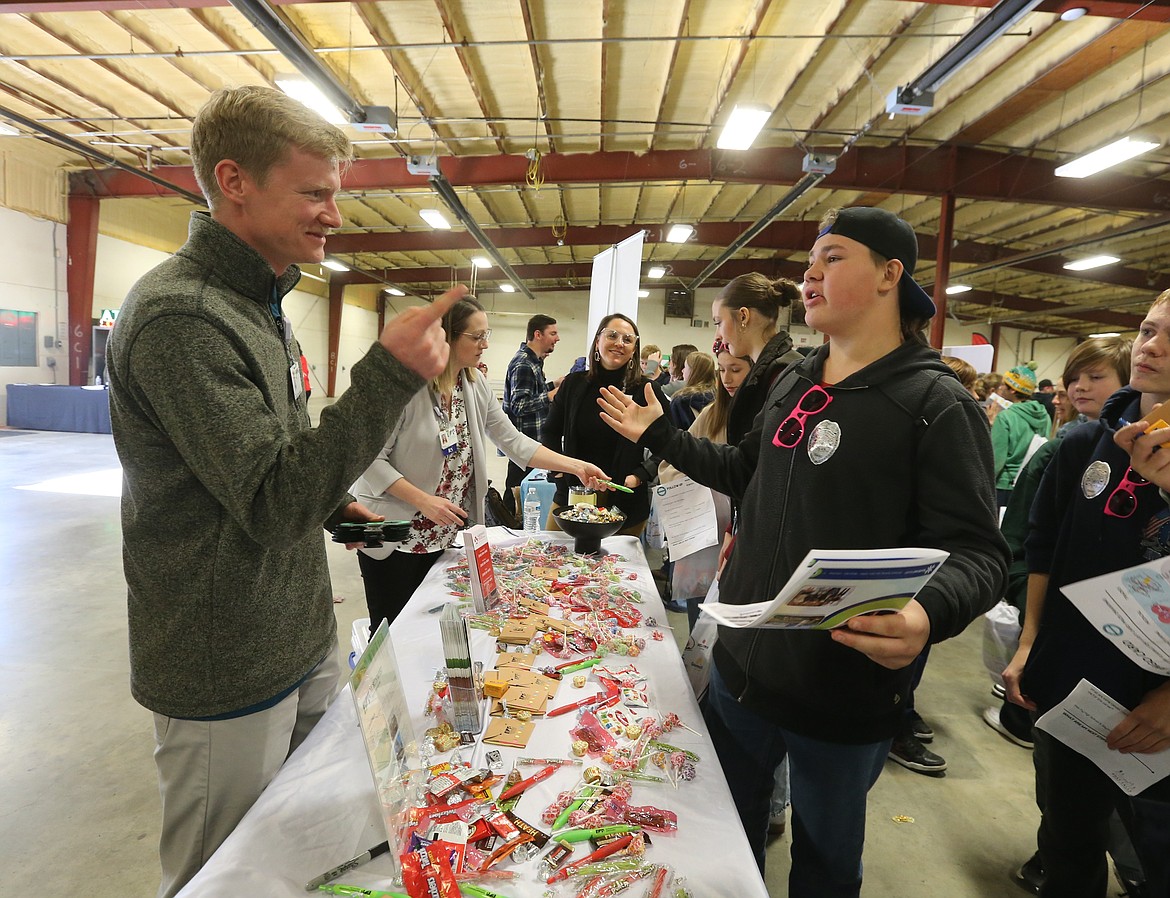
[
  {"x": 563, "y": 816},
  {"x": 600, "y": 832},
  {"x": 581, "y": 665},
  {"x": 338, "y": 889},
  {"x": 615, "y": 486},
  {"x": 475, "y": 891}
]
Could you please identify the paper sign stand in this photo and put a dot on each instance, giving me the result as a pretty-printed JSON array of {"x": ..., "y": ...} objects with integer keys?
[
  {"x": 388, "y": 736},
  {"x": 484, "y": 592}
]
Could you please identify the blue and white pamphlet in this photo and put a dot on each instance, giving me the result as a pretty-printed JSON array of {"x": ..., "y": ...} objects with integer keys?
[{"x": 832, "y": 585}]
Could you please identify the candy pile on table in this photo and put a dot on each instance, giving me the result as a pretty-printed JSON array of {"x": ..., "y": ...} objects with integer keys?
[
  {"x": 589, "y": 590},
  {"x": 594, "y": 839},
  {"x": 583, "y": 513}
]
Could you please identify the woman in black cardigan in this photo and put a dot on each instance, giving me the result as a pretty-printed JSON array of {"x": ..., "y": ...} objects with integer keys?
[{"x": 574, "y": 422}]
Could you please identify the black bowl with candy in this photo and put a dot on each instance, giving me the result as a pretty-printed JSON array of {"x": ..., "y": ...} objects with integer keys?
[{"x": 589, "y": 525}]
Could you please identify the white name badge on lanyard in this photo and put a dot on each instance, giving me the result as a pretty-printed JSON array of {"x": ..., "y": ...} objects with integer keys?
[
  {"x": 448, "y": 438},
  {"x": 297, "y": 381}
]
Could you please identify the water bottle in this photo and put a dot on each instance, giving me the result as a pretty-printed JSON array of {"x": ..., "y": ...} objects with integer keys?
[{"x": 531, "y": 511}]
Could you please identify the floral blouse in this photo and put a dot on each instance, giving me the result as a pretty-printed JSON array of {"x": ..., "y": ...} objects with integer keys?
[{"x": 455, "y": 484}]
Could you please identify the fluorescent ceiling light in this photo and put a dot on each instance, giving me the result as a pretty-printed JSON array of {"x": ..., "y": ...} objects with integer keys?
[
  {"x": 334, "y": 265},
  {"x": 1091, "y": 262},
  {"x": 1106, "y": 334},
  {"x": 679, "y": 233},
  {"x": 8, "y": 131},
  {"x": 394, "y": 291},
  {"x": 435, "y": 219},
  {"x": 311, "y": 96},
  {"x": 507, "y": 288},
  {"x": 955, "y": 289},
  {"x": 643, "y": 293},
  {"x": 742, "y": 126},
  {"x": 1106, "y": 157},
  {"x": 481, "y": 262},
  {"x": 656, "y": 271}
]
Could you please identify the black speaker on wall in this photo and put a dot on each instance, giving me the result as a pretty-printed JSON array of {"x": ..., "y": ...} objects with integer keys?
[{"x": 680, "y": 303}]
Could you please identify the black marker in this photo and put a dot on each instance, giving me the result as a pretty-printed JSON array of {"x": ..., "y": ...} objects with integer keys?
[{"x": 330, "y": 875}]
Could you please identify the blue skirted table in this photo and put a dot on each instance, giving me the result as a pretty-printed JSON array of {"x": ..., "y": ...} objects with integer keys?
[{"x": 58, "y": 407}]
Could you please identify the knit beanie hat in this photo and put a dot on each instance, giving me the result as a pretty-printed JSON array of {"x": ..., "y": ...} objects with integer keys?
[{"x": 1022, "y": 379}]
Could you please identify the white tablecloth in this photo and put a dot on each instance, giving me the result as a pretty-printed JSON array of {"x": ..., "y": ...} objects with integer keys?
[{"x": 321, "y": 809}]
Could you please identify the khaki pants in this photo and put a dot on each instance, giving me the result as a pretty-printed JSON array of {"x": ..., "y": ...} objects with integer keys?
[{"x": 210, "y": 772}]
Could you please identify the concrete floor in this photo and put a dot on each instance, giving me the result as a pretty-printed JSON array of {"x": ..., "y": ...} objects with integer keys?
[{"x": 79, "y": 804}]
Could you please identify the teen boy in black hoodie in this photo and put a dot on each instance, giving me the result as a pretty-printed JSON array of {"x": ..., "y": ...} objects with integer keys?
[
  {"x": 1092, "y": 515},
  {"x": 870, "y": 442}
]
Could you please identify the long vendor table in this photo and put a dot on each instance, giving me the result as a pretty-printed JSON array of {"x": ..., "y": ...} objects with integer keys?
[
  {"x": 59, "y": 407},
  {"x": 322, "y": 810}
]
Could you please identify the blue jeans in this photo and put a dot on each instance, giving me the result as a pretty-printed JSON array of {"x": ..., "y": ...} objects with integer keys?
[{"x": 829, "y": 784}]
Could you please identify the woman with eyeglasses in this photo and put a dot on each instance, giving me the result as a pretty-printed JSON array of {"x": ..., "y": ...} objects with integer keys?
[
  {"x": 433, "y": 469},
  {"x": 1095, "y": 513},
  {"x": 868, "y": 443},
  {"x": 574, "y": 427}
]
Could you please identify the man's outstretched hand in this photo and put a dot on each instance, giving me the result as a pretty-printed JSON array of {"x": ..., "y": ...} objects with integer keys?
[{"x": 415, "y": 336}]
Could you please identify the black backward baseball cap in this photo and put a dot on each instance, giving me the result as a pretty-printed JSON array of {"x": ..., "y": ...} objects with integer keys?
[{"x": 892, "y": 238}]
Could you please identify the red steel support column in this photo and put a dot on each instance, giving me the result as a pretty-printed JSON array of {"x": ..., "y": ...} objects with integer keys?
[
  {"x": 81, "y": 249},
  {"x": 336, "y": 293},
  {"x": 942, "y": 271}
]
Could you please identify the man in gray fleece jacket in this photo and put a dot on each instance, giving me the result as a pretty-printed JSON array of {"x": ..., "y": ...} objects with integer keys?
[{"x": 226, "y": 487}]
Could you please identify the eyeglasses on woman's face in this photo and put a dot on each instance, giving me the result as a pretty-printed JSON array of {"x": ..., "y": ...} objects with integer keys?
[
  {"x": 479, "y": 336},
  {"x": 614, "y": 336}
]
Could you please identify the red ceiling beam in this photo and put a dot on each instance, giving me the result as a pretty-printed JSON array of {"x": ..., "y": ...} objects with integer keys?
[
  {"x": 680, "y": 269},
  {"x": 789, "y": 236},
  {"x": 1003, "y": 302},
  {"x": 26, "y": 7},
  {"x": 1111, "y": 9},
  {"x": 1114, "y": 9},
  {"x": 684, "y": 269},
  {"x": 968, "y": 172}
]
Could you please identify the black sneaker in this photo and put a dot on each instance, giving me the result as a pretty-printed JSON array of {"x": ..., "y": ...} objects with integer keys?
[
  {"x": 1131, "y": 888},
  {"x": 1030, "y": 876},
  {"x": 919, "y": 728},
  {"x": 913, "y": 755}
]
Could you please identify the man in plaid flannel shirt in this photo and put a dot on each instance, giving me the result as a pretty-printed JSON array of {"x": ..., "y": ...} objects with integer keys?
[{"x": 527, "y": 393}]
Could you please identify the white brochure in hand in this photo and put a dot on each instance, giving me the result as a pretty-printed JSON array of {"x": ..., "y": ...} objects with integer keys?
[
  {"x": 831, "y": 586},
  {"x": 1084, "y": 720}
]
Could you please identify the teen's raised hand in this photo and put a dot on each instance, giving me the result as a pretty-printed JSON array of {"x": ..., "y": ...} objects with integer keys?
[
  {"x": 625, "y": 416},
  {"x": 415, "y": 337},
  {"x": 891, "y": 640},
  {"x": 1144, "y": 456}
]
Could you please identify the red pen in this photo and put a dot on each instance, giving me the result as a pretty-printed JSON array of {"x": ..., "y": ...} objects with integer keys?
[
  {"x": 603, "y": 852},
  {"x": 600, "y": 699},
  {"x": 531, "y": 781},
  {"x": 573, "y": 706}
]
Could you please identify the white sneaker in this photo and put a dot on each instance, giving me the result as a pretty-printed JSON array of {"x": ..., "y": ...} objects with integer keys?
[{"x": 991, "y": 718}]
